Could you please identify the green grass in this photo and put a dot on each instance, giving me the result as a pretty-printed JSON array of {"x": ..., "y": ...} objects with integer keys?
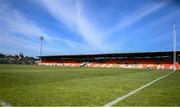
[
  {"x": 165, "y": 92},
  {"x": 51, "y": 86}
]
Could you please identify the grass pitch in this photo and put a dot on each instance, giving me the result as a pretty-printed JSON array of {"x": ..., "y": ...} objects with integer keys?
[{"x": 75, "y": 86}]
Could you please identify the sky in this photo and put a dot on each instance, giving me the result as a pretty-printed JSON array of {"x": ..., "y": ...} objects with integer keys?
[{"x": 88, "y": 26}]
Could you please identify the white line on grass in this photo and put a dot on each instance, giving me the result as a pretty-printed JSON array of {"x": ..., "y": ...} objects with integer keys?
[
  {"x": 133, "y": 92},
  {"x": 3, "y": 104}
]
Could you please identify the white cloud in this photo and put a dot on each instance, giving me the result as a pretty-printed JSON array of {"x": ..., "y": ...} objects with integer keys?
[
  {"x": 18, "y": 31},
  {"x": 69, "y": 12},
  {"x": 137, "y": 15},
  {"x": 17, "y": 23},
  {"x": 89, "y": 32},
  {"x": 167, "y": 18},
  {"x": 62, "y": 10}
]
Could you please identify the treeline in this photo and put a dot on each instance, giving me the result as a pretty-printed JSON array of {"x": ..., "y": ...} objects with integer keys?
[{"x": 16, "y": 59}]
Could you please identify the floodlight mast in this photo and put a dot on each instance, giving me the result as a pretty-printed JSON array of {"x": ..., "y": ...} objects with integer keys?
[
  {"x": 174, "y": 47},
  {"x": 41, "y": 39}
]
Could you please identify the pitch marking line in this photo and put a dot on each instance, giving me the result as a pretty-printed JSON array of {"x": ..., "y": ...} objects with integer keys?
[
  {"x": 134, "y": 91},
  {"x": 3, "y": 104}
]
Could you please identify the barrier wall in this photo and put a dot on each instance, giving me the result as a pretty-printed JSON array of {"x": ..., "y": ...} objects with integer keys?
[{"x": 108, "y": 65}]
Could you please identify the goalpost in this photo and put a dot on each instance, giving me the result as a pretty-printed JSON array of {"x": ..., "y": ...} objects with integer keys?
[{"x": 174, "y": 47}]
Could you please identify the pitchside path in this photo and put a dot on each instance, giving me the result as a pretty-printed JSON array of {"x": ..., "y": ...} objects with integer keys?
[{"x": 134, "y": 91}]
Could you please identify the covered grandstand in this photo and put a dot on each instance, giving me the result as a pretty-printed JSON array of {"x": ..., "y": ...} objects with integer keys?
[{"x": 153, "y": 60}]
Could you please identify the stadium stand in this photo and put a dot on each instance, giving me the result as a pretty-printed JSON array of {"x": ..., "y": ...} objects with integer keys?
[{"x": 143, "y": 60}]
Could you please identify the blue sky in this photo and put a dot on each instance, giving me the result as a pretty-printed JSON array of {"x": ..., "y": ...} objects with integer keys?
[{"x": 87, "y": 26}]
